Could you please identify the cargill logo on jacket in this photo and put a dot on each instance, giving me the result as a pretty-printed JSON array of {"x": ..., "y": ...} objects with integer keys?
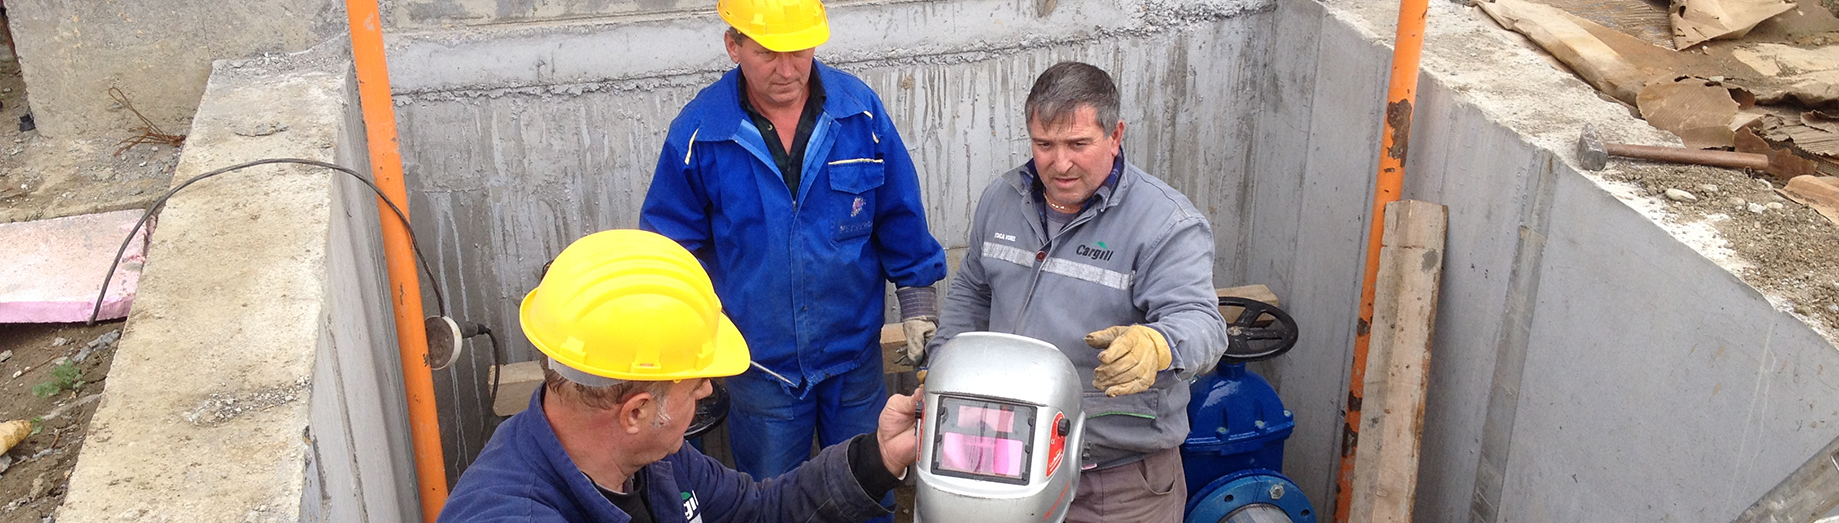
[
  {"x": 691, "y": 511},
  {"x": 1099, "y": 253}
]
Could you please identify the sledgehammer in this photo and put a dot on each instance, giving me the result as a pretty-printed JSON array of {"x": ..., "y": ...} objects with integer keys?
[{"x": 1594, "y": 153}]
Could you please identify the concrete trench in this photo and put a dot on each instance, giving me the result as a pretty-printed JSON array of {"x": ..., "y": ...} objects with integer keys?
[{"x": 1578, "y": 374}]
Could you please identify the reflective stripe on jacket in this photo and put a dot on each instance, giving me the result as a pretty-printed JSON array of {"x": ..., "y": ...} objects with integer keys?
[
  {"x": 804, "y": 282},
  {"x": 524, "y": 475},
  {"x": 1142, "y": 255}
]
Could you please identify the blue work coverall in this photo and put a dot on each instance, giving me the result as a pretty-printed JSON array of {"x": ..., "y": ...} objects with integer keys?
[
  {"x": 524, "y": 475},
  {"x": 803, "y": 278}
]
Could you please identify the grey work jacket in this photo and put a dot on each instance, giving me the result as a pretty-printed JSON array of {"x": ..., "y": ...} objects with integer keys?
[{"x": 1139, "y": 254}]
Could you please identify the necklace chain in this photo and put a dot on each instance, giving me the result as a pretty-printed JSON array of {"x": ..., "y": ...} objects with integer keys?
[{"x": 1062, "y": 208}]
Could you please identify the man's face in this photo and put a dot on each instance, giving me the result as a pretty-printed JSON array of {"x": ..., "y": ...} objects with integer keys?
[
  {"x": 1074, "y": 155},
  {"x": 773, "y": 77}
]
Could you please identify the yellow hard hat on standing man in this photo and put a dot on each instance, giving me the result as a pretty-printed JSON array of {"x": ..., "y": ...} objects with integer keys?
[{"x": 778, "y": 25}]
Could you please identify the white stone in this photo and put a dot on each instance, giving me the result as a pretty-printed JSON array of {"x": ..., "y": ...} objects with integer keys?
[
  {"x": 1757, "y": 208},
  {"x": 1681, "y": 196},
  {"x": 1773, "y": 206},
  {"x": 1708, "y": 188}
]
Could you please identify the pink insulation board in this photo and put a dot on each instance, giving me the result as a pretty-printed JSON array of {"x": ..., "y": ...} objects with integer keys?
[{"x": 51, "y": 270}]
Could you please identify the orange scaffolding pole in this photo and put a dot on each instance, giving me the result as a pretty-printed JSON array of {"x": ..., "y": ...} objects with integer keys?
[
  {"x": 399, "y": 255},
  {"x": 1407, "y": 48}
]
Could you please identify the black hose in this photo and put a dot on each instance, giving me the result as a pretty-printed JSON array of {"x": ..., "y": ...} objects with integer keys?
[{"x": 439, "y": 299}]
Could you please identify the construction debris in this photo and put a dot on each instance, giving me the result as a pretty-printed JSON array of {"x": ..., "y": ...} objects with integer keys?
[
  {"x": 1770, "y": 83},
  {"x": 13, "y": 432},
  {"x": 1821, "y": 193}
]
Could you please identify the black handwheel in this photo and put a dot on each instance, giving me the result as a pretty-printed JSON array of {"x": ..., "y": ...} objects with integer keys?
[
  {"x": 710, "y": 412},
  {"x": 1260, "y": 332}
]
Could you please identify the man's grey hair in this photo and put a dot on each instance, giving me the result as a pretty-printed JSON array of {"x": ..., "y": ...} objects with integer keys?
[
  {"x": 611, "y": 395},
  {"x": 736, "y": 35},
  {"x": 1062, "y": 89}
]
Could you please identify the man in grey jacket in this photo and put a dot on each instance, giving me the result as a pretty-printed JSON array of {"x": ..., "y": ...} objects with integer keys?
[{"x": 1083, "y": 250}]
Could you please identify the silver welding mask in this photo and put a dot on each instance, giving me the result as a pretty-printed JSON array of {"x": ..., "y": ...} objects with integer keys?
[{"x": 1000, "y": 432}]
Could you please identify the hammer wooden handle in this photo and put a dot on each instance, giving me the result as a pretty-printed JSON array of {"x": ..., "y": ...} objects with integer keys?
[{"x": 1692, "y": 156}]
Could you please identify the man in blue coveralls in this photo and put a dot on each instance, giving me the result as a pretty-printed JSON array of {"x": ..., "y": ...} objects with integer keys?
[
  {"x": 633, "y": 333},
  {"x": 787, "y": 179}
]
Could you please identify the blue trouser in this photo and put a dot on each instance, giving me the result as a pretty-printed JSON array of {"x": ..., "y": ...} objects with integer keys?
[{"x": 770, "y": 430}]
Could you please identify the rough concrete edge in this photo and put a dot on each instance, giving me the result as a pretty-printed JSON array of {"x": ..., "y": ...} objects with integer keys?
[
  {"x": 94, "y": 494},
  {"x": 1544, "y": 126},
  {"x": 857, "y": 40}
]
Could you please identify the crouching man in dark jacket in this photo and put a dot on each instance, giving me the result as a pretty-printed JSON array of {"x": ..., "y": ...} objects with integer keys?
[{"x": 634, "y": 332}]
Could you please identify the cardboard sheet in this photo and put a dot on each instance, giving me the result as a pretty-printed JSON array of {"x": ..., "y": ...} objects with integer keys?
[
  {"x": 1696, "y": 21},
  {"x": 1819, "y": 192},
  {"x": 1698, "y": 111}
]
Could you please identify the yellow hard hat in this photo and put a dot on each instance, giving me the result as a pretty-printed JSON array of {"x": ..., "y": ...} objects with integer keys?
[
  {"x": 631, "y": 305},
  {"x": 779, "y": 25}
]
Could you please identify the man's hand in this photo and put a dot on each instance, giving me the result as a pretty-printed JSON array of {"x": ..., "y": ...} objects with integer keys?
[
  {"x": 897, "y": 432},
  {"x": 919, "y": 331},
  {"x": 1132, "y": 356}
]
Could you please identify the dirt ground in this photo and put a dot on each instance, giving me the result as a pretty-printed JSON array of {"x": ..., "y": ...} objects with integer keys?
[
  {"x": 1783, "y": 248},
  {"x": 42, "y": 178},
  {"x": 34, "y": 473}
]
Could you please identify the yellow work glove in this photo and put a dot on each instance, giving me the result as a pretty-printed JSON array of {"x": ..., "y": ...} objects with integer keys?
[{"x": 1132, "y": 356}]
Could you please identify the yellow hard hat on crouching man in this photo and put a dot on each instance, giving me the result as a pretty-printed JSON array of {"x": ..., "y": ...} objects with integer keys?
[
  {"x": 631, "y": 305},
  {"x": 634, "y": 331}
]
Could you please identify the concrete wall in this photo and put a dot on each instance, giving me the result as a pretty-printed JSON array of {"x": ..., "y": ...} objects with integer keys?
[
  {"x": 518, "y": 140},
  {"x": 258, "y": 379},
  {"x": 158, "y": 53},
  {"x": 1588, "y": 366}
]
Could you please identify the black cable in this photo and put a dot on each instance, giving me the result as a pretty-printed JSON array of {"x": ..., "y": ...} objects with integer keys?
[
  {"x": 497, "y": 362},
  {"x": 491, "y": 401},
  {"x": 440, "y": 301}
]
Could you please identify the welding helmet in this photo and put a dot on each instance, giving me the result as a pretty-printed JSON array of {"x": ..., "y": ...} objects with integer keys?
[
  {"x": 631, "y": 305},
  {"x": 1000, "y": 432},
  {"x": 778, "y": 25}
]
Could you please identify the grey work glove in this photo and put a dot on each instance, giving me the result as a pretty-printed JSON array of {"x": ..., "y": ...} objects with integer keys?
[
  {"x": 919, "y": 320},
  {"x": 919, "y": 331}
]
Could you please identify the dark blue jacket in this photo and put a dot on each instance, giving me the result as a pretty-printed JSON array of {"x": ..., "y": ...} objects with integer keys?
[
  {"x": 804, "y": 282},
  {"x": 524, "y": 475}
]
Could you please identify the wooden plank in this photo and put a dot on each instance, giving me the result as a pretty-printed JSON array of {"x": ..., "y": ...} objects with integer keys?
[
  {"x": 520, "y": 381},
  {"x": 1255, "y": 292},
  {"x": 1807, "y": 493},
  {"x": 1398, "y": 362}
]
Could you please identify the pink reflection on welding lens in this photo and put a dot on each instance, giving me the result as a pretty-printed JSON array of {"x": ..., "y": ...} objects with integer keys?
[
  {"x": 996, "y": 419},
  {"x": 982, "y": 455}
]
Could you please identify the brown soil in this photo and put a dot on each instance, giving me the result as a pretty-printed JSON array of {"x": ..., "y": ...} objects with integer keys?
[
  {"x": 34, "y": 473},
  {"x": 1788, "y": 251}
]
